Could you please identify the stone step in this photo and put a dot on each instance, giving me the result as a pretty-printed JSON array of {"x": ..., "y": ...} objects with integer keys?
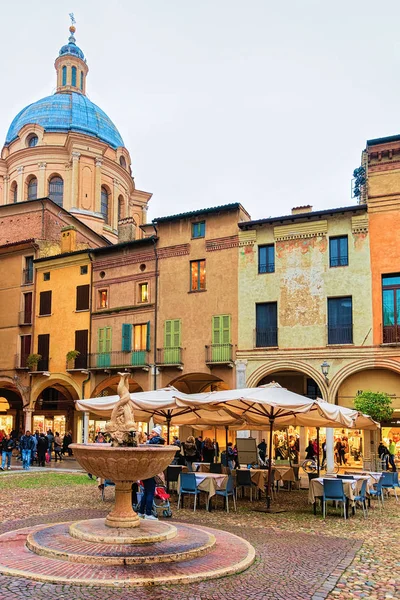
[
  {"x": 229, "y": 555},
  {"x": 95, "y": 530},
  {"x": 56, "y": 542}
]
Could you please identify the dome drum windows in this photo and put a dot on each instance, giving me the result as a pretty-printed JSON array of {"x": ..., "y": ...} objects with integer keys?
[
  {"x": 32, "y": 187},
  {"x": 73, "y": 76},
  {"x": 56, "y": 189},
  {"x": 32, "y": 140},
  {"x": 64, "y": 75},
  {"x": 14, "y": 192},
  {"x": 104, "y": 204}
]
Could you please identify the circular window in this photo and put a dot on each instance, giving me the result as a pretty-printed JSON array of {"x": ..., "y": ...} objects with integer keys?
[
  {"x": 122, "y": 161},
  {"x": 142, "y": 267},
  {"x": 32, "y": 140},
  {"x": 102, "y": 274}
]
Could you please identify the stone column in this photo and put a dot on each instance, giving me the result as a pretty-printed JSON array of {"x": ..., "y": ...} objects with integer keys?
[
  {"x": 28, "y": 419},
  {"x": 302, "y": 443},
  {"x": 6, "y": 181},
  {"x": 97, "y": 185},
  {"x": 85, "y": 428},
  {"x": 329, "y": 450},
  {"x": 73, "y": 201},
  {"x": 20, "y": 180},
  {"x": 114, "y": 207},
  {"x": 41, "y": 190}
]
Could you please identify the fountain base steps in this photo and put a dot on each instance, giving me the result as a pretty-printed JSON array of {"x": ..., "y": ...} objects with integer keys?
[{"x": 181, "y": 554}]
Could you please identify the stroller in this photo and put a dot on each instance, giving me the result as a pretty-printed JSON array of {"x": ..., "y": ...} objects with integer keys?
[{"x": 161, "y": 499}]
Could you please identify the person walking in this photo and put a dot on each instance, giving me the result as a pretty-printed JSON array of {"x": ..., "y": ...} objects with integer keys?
[
  {"x": 57, "y": 447},
  {"x": 66, "y": 442},
  {"x": 383, "y": 454},
  {"x": 50, "y": 440},
  {"x": 392, "y": 454},
  {"x": 190, "y": 452},
  {"x": 42, "y": 446},
  {"x": 7, "y": 446},
  {"x": 146, "y": 503},
  {"x": 27, "y": 445},
  {"x": 310, "y": 451}
]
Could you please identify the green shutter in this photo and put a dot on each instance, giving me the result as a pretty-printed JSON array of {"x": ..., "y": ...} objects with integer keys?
[
  {"x": 226, "y": 329},
  {"x": 107, "y": 339},
  {"x": 100, "y": 340},
  {"x": 168, "y": 334},
  {"x": 126, "y": 337},
  {"x": 221, "y": 338},
  {"x": 148, "y": 337},
  {"x": 176, "y": 333},
  {"x": 216, "y": 330}
]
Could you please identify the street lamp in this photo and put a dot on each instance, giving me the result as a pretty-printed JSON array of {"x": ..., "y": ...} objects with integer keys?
[{"x": 325, "y": 369}]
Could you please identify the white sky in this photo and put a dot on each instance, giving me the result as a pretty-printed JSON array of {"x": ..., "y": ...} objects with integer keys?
[{"x": 261, "y": 102}]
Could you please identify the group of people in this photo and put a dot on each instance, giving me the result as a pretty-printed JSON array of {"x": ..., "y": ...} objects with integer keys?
[
  {"x": 196, "y": 450},
  {"x": 387, "y": 455},
  {"x": 31, "y": 447}
]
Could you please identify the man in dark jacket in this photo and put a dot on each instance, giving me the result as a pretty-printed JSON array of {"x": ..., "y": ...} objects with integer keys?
[
  {"x": 7, "y": 446},
  {"x": 146, "y": 504},
  {"x": 42, "y": 446},
  {"x": 50, "y": 441},
  {"x": 27, "y": 446}
]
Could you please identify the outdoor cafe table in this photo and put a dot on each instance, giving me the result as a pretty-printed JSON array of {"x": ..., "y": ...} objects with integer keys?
[
  {"x": 351, "y": 488},
  {"x": 260, "y": 476},
  {"x": 205, "y": 468},
  {"x": 209, "y": 483}
]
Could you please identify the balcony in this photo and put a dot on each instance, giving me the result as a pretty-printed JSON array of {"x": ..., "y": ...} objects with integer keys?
[
  {"x": 267, "y": 337},
  {"x": 116, "y": 360},
  {"x": 78, "y": 363},
  {"x": 27, "y": 276},
  {"x": 340, "y": 334},
  {"x": 391, "y": 334},
  {"x": 266, "y": 267},
  {"x": 24, "y": 318},
  {"x": 169, "y": 357},
  {"x": 219, "y": 354},
  {"x": 20, "y": 362}
]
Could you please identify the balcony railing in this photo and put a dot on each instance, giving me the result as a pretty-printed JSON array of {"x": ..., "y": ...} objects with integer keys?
[
  {"x": 266, "y": 337},
  {"x": 20, "y": 361},
  {"x": 80, "y": 362},
  {"x": 391, "y": 334},
  {"x": 340, "y": 334},
  {"x": 27, "y": 276},
  {"x": 266, "y": 267},
  {"x": 43, "y": 365},
  {"x": 169, "y": 356},
  {"x": 104, "y": 360},
  {"x": 341, "y": 261},
  {"x": 219, "y": 354},
  {"x": 24, "y": 318}
]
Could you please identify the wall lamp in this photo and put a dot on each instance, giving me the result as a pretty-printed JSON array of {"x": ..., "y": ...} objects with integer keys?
[{"x": 325, "y": 369}]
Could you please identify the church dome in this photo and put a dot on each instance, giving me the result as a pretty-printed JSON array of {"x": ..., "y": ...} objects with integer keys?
[{"x": 67, "y": 112}]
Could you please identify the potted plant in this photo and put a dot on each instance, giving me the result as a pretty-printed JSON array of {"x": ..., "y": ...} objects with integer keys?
[
  {"x": 32, "y": 361},
  {"x": 71, "y": 356}
]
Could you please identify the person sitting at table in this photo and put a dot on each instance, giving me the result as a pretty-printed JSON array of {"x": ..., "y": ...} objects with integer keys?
[
  {"x": 190, "y": 452},
  {"x": 208, "y": 450}
]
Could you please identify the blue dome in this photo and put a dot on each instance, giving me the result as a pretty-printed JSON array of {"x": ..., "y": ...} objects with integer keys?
[
  {"x": 73, "y": 49},
  {"x": 67, "y": 112}
]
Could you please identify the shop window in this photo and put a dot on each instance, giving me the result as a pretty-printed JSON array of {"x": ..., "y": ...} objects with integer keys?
[
  {"x": 199, "y": 229},
  {"x": 82, "y": 297},
  {"x": 197, "y": 275},
  {"x": 266, "y": 324},
  {"x": 45, "y": 304},
  {"x": 340, "y": 320},
  {"x": 103, "y": 299},
  {"x": 266, "y": 258},
  {"x": 143, "y": 292},
  {"x": 338, "y": 251}
]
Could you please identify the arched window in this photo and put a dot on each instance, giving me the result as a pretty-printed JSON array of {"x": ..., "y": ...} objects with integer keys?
[
  {"x": 73, "y": 79},
  {"x": 64, "y": 75},
  {"x": 122, "y": 162},
  {"x": 14, "y": 192},
  {"x": 81, "y": 80},
  {"x": 56, "y": 190},
  {"x": 32, "y": 189},
  {"x": 32, "y": 140},
  {"x": 104, "y": 203},
  {"x": 121, "y": 207}
]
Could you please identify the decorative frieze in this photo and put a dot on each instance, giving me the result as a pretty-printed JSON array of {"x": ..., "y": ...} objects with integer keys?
[
  {"x": 247, "y": 238},
  {"x": 294, "y": 231},
  {"x": 171, "y": 251},
  {"x": 231, "y": 241},
  {"x": 359, "y": 223}
]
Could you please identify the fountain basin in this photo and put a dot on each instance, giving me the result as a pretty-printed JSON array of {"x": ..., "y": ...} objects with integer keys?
[{"x": 123, "y": 465}]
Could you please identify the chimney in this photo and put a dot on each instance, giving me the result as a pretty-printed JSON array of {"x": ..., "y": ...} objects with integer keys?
[
  {"x": 298, "y": 210},
  {"x": 126, "y": 230},
  {"x": 68, "y": 239}
]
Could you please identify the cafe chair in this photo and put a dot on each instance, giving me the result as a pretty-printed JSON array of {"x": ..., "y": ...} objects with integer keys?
[
  {"x": 187, "y": 485},
  {"x": 377, "y": 492},
  {"x": 362, "y": 497},
  {"x": 388, "y": 482},
  {"x": 215, "y": 467},
  {"x": 333, "y": 490},
  {"x": 172, "y": 475},
  {"x": 243, "y": 481},
  {"x": 228, "y": 491}
]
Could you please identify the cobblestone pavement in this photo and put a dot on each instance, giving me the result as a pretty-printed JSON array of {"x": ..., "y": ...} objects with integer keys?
[{"x": 299, "y": 556}]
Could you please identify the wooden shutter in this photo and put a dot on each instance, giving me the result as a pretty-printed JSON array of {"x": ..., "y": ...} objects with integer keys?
[
  {"x": 216, "y": 330},
  {"x": 148, "y": 337},
  {"x": 126, "y": 337},
  {"x": 168, "y": 334},
  {"x": 82, "y": 297},
  {"x": 176, "y": 333},
  {"x": 28, "y": 307},
  {"x": 100, "y": 340},
  {"x": 45, "y": 303},
  {"x": 81, "y": 344},
  {"x": 107, "y": 339},
  {"x": 43, "y": 350},
  {"x": 226, "y": 329},
  {"x": 25, "y": 349}
]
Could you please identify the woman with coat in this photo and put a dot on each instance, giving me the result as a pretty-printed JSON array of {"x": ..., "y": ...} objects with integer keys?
[
  {"x": 190, "y": 452},
  {"x": 208, "y": 451}
]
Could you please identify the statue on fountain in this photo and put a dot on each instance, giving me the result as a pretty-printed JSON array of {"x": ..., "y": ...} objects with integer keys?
[{"x": 121, "y": 429}]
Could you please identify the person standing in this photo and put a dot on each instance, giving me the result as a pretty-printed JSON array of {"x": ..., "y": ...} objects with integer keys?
[
  {"x": 57, "y": 447},
  {"x": 392, "y": 454},
  {"x": 199, "y": 446},
  {"x": 216, "y": 450},
  {"x": 7, "y": 446},
  {"x": 262, "y": 450},
  {"x": 27, "y": 445},
  {"x": 176, "y": 442},
  {"x": 208, "y": 451},
  {"x": 50, "y": 440},
  {"x": 42, "y": 446},
  {"x": 146, "y": 503},
  {"x": 66, "y": 442},
  {"x": 190, "y": 452}
]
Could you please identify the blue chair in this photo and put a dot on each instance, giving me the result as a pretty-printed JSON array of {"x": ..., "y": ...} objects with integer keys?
[
  {"x": 362, "y": 497},
  {"x": 187, "y": 485},
  {"x": 377, "y": 492},
  {"x": 333, "y": 490},
  {"x": 228, "y": 491},
  {"x": 388, "y": 482}
]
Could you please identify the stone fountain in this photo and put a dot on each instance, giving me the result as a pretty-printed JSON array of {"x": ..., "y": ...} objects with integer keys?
[{"x": 122, "y": 550}]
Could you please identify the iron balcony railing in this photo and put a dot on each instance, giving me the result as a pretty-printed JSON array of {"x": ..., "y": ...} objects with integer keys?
[
  {"x": 266, "y": 267},
  {"x": 43, "y": 365},
  {"x": 104, "y": 360},
  {"x": 341, "y": 261},
  {"x": 219, "y": 353},
  {"x": 391, "y": 334},
  {"x": 169, "y": 356},
  {"x": 27, "y": 276},
  {"x": 24, "y": 318},
  {"x": 340, "y": 334},
  {"x": 80, "y": 362},
  {"x": 266, "y": 337}
]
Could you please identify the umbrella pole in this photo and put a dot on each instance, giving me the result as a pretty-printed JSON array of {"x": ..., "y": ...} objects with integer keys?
[
  {"x": 271, "y": 431},
  {"x": 288, "y": 447},
  {"x": 168, "y": 427},
  {"x": 318, "y": 465},
  {"x": 226, "y": 445}
]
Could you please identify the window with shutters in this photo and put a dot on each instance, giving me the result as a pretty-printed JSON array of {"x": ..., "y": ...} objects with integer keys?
[
  {"x": 126, "y": 337},
  {"x": 25, "y": 346},
  {"x": 81, "y": 345},
  {"x": 45, "y": 304},
  {"x": 172, "y": 341},
  {"x": 43, "y": 350},
  {"x": 104, "y": 341},
  {"x": 140, "y": 341},
  {"x": 266, "y": 324},
  {"x": 197, "y": 275},
  {"x": 221, "y": 338},
  {"x": 199, "y": 229},
  {"x": 27, "y": 311},
  {"x": 82, "y": 297}
]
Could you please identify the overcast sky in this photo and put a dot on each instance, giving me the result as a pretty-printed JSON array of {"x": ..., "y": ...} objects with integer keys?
[{"x": 255, "y": 101}]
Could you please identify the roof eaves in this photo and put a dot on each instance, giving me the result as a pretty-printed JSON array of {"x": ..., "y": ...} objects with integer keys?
[
  {"x": 132, "y": 243},
  {"x": 202, "y": 211},
  {"x": 306, "y": 215}
]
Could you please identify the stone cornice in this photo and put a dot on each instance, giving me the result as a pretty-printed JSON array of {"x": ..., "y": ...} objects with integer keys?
[{"x": 223, "y": 243}]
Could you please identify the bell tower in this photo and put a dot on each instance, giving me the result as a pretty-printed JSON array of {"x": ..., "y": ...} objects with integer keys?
[{"x": 71, "y": 66}]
